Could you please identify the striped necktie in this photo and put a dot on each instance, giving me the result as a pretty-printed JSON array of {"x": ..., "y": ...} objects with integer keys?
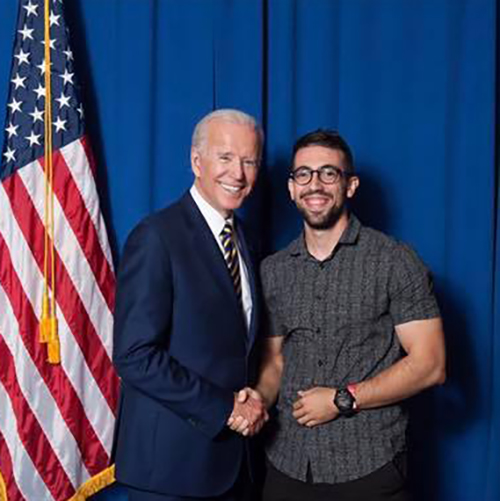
[{"x": 231, "y": 256}]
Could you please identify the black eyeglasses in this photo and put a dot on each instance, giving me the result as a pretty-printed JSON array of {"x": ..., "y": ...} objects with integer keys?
[{"x": 327, "y": 174}]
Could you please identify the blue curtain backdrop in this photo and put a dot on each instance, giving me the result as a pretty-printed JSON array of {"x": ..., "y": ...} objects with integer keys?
[{"x": 411, "y": 84}]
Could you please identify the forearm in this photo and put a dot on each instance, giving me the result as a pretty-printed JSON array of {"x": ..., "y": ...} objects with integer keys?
[
  {"x": 402, "y": 380},
  {"x": 269, "y": 380}
]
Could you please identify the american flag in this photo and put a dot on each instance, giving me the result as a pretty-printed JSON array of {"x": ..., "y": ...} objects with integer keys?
[{"x": 56, "y": 419}]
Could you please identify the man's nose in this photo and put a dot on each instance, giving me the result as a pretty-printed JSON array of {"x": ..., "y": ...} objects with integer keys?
[
  {"x": 237, "y": 168},
  {"x": 315, "y": 181}
]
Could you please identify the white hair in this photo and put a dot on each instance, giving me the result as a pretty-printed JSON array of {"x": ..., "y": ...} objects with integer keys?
[{"x": 227, "y": 115}]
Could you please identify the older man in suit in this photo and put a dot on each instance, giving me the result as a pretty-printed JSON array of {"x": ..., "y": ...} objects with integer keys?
[{"x": 186, "y": 322}]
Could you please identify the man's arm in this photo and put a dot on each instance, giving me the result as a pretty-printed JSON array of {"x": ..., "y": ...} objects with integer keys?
[
  {"x": 422, "y": 366},
  {"x": 266, "y": 390},
  {"x": 271, "y": 370}
]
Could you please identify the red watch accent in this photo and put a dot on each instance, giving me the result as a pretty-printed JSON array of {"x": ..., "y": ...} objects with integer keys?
[{"x": 353, "y": 389}]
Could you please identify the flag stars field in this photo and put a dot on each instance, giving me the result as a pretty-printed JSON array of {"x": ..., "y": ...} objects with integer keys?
[
  {"x": 33, "y": 139},
  {"x": 54, "y": 19},
  {"x": 26, "y": 33},
  {"x": 15, "y": 105},
  {"x": 12, "y": 129},
  {"x": 18, "y": 81},
  {"x": 22, "y": 57},
  {"x": 37, "y": 115},
  {"x": 60, "y": 124},
  {"x": 9, "y": 155},
  {"x": 67, "y": 77},
  {"x": 31, "y": 9},
  {"x": 63, "y": 100}
]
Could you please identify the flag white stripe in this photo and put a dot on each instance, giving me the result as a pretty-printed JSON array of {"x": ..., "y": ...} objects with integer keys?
[
  {"x": 27, "y": 478},
  {"x": 39, "y": 398},
  {"x": 78, "y": 164},
  {"x": 72, "y": 255},
  {"x": 96, "y": 407}
]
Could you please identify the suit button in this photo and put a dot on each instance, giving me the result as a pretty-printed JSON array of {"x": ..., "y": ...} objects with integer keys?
[{"x": 320, "y": 363}]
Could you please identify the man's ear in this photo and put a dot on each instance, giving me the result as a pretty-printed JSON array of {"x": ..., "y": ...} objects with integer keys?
[
  {"x": 195, "y": 162},
  {"x": 352, "y": 186},
  {"x": 291, "y": 189}
]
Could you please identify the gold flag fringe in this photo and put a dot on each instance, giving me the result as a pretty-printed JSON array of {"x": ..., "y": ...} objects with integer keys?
[
  {"x": 94, "y": 484},
  {"x": 3, "y": 489}
]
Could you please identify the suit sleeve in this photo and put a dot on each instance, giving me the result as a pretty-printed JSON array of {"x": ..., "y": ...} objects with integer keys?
[{"x": 143, "y": 317}]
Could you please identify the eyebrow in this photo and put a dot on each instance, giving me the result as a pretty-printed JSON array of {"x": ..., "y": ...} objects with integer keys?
[{"x": 320, "y": 167}]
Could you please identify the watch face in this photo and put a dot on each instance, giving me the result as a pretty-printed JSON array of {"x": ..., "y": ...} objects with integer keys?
[{"x": 344, "y": 401}]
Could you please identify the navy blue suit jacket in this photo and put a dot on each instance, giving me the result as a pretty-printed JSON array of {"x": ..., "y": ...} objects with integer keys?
[{"x": 182, "y": 349}]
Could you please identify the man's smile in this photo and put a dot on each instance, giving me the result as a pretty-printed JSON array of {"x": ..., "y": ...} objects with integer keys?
[{"x": 231, "y": 188}]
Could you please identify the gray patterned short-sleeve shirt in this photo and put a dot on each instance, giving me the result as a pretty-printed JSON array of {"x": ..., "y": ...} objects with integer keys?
[{"x": 338, "y": 317}]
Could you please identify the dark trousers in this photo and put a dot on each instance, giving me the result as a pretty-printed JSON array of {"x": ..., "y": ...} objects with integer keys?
[
  {"x": 137, "y": 495},
  {"x": 385, "y": 484},
  {"x": 241, "y": 491}
]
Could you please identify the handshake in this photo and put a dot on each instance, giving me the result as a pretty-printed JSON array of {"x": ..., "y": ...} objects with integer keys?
[{"x": 249, "y": 412}]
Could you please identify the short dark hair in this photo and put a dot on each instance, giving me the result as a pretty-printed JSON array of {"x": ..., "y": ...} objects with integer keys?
[{"x": 329, "y": 139}]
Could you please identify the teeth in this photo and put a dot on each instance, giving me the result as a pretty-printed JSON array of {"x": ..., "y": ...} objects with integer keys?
[
  {"x": 317, "y": 200},
  {"x": 232, "y": 189}
]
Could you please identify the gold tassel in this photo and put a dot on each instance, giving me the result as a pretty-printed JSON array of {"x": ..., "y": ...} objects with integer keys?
[
  {"x": 48, "y": 322},
  {"x": 44, "y": 327},
  {"x": 54, "y": 346}
]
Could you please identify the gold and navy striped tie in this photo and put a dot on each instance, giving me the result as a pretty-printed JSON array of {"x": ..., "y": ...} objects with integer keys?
[{"x": 231, "y": 256}]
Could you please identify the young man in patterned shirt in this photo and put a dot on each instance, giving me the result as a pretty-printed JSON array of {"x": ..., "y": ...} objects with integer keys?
[{"x": 354, "y": 330}]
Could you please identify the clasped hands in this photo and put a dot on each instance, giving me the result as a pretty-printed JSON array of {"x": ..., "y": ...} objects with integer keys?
[
  {"x": 249, "y": 412},
  {"x": 312, "y": 407}
]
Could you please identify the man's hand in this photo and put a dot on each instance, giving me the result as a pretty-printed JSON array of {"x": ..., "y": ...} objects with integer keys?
[
  {"x": 315, "y": 406},
  {"x": 249, "y": 412}
]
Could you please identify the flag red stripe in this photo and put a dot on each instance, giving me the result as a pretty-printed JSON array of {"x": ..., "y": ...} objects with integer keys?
[
  {"x": 31, "y": 433},
  {"x": 83, "y": 227},
  {"x": 13, "y": 491},
  {"x": 90, "y": 154},
  {"x": 93, "y": 453},
  {"x": 67, "y": 297}
]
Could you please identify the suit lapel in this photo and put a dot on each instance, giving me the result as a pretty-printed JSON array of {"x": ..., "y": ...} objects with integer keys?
[{"x": 245, "y": 254}]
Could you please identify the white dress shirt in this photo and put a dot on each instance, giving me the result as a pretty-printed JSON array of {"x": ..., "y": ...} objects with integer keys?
[{"x": 216, "y": 223}]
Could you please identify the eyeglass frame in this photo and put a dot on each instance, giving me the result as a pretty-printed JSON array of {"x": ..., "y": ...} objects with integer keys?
[{"x": 324, "y": 168}]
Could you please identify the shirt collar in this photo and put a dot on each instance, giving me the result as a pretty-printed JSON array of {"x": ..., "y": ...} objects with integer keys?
[
  {"x": 351, "y": 233},
  {"x": 349, "y": 237},
  {"x": 214, "y": 219}
]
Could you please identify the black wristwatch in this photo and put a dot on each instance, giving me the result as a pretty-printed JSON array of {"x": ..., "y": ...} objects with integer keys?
[{"x": 345, "y": 402}]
